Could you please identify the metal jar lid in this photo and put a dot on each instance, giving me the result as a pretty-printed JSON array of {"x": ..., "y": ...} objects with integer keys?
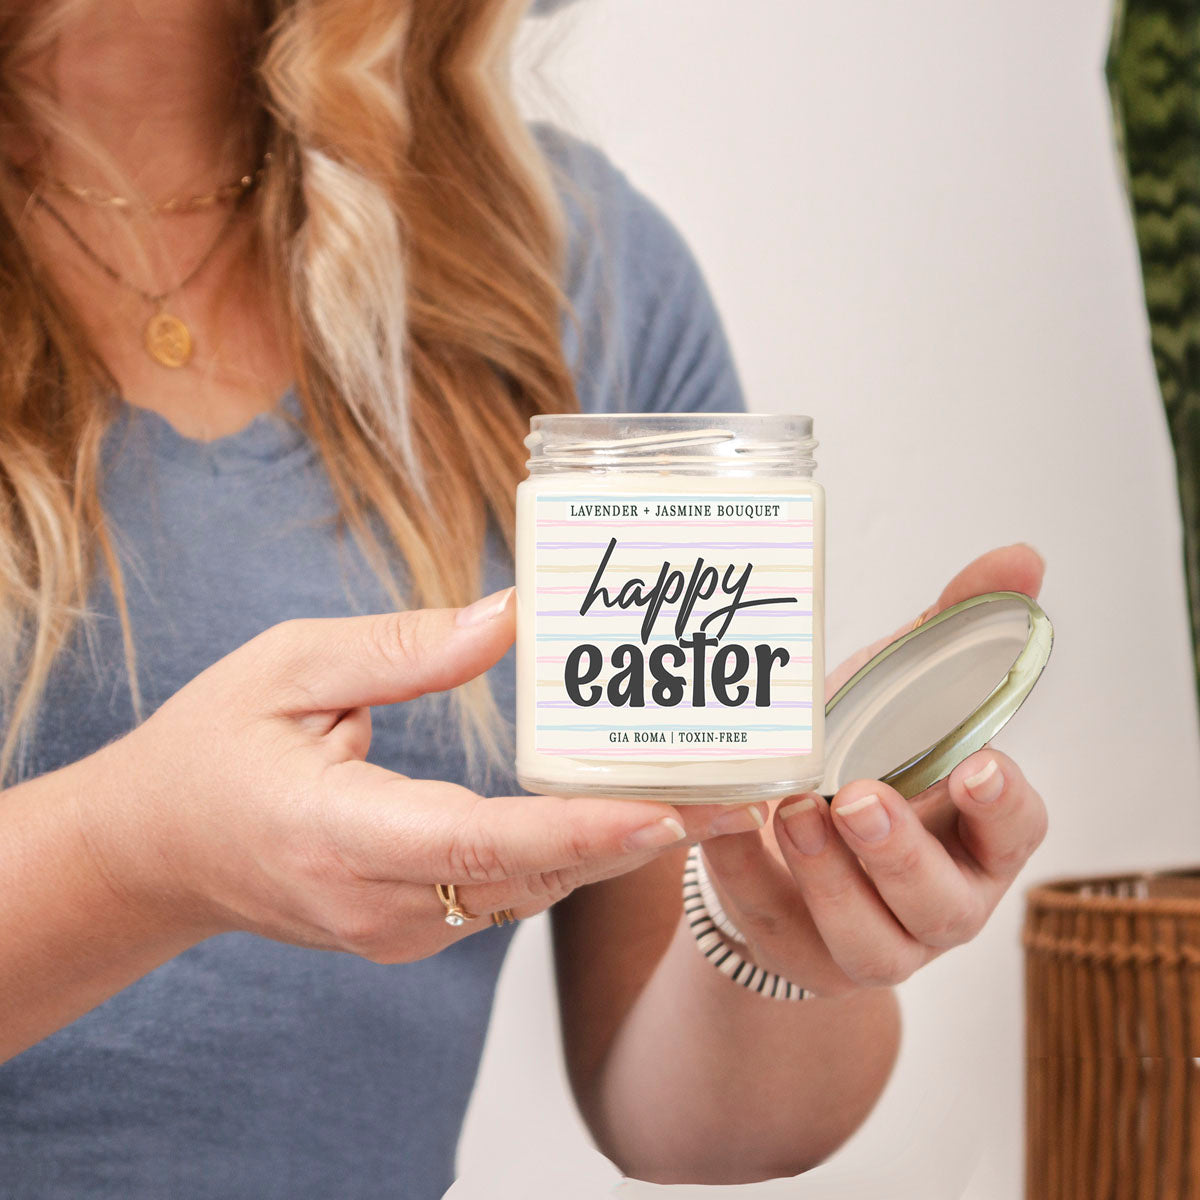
[{"x": 936, "y": 695}]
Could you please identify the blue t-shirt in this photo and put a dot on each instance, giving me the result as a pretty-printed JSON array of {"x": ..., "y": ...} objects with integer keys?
[{"x": 244, "y": 1067}]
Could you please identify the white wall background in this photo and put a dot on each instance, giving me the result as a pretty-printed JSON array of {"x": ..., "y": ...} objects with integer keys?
[{"x": 912, "y": 221}]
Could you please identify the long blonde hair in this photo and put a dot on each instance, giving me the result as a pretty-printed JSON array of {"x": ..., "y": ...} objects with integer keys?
[{"x": 414, "y": 247}]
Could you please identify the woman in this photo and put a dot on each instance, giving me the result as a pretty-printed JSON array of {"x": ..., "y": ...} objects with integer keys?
[{"x": 376, "y": 275}]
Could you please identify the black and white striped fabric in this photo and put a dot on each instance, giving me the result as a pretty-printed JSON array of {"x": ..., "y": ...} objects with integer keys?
[{"x": 714, "y": 933}]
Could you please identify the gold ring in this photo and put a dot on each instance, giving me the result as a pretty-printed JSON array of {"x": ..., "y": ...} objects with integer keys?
[
  {"x": 455, "y": 913},
  {"x": 504, "y": 917},
  {"x": 921, "y": 619}
]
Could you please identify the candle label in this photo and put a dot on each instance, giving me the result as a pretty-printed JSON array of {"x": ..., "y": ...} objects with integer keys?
[{"x": 674, "y": 627}]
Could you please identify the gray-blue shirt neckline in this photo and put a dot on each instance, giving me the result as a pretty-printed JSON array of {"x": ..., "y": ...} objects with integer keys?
[{"x": 273, "y": 436}]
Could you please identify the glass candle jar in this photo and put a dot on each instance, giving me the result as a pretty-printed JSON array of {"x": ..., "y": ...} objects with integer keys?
[{"x": 670, "y": 601}]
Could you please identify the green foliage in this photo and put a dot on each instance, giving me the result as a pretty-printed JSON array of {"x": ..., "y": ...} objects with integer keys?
[{"x": 1154, "y": 80}]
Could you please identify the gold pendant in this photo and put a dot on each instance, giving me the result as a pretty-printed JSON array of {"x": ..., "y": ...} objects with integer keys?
[{"x": 168, "y": 340}]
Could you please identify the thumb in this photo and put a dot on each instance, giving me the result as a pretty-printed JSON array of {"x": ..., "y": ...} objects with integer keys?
[
  {"x": 1016, "y": 568},
  {"x": 346, "y": 662}
]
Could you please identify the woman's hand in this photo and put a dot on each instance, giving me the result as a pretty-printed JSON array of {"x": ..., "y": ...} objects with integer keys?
[
  {"x": 863, "y": 892},
  {"x": 245, "y": 802}
]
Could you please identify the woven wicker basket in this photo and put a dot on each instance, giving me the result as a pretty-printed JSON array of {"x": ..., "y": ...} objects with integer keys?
[{"x": 1113, "y": 1038}]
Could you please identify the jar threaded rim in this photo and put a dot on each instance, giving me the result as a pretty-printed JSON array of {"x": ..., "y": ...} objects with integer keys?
[{"x": 707, "y": 443}]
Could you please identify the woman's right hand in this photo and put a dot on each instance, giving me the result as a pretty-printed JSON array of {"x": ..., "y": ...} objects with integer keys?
[{"x": 246, "y": 804}]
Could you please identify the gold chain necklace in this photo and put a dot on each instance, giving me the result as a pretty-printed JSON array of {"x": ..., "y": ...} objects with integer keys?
[
  {"x": 176, "y": 204},
  {"x": 166, "y": 337}
]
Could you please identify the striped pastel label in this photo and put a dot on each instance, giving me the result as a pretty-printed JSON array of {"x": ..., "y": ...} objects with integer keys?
[{"x": 674, "y": 626}]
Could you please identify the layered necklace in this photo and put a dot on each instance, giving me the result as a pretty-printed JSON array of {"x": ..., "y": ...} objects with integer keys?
[{"x": 165, "y": 336}]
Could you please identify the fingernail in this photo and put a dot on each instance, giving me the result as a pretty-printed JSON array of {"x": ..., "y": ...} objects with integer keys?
[
  {"x": 666, "y": 832},
  {"x": 740, "y": 820},
  {"x": 866, "y": 817},
  {"x": 986, "y": 785},
  {"x": 804, "y": 826},
  {"x": 486, "y": 609}
]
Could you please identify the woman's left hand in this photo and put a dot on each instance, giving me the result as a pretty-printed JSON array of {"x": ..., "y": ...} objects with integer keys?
[{"x": 863, "y": 892}]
